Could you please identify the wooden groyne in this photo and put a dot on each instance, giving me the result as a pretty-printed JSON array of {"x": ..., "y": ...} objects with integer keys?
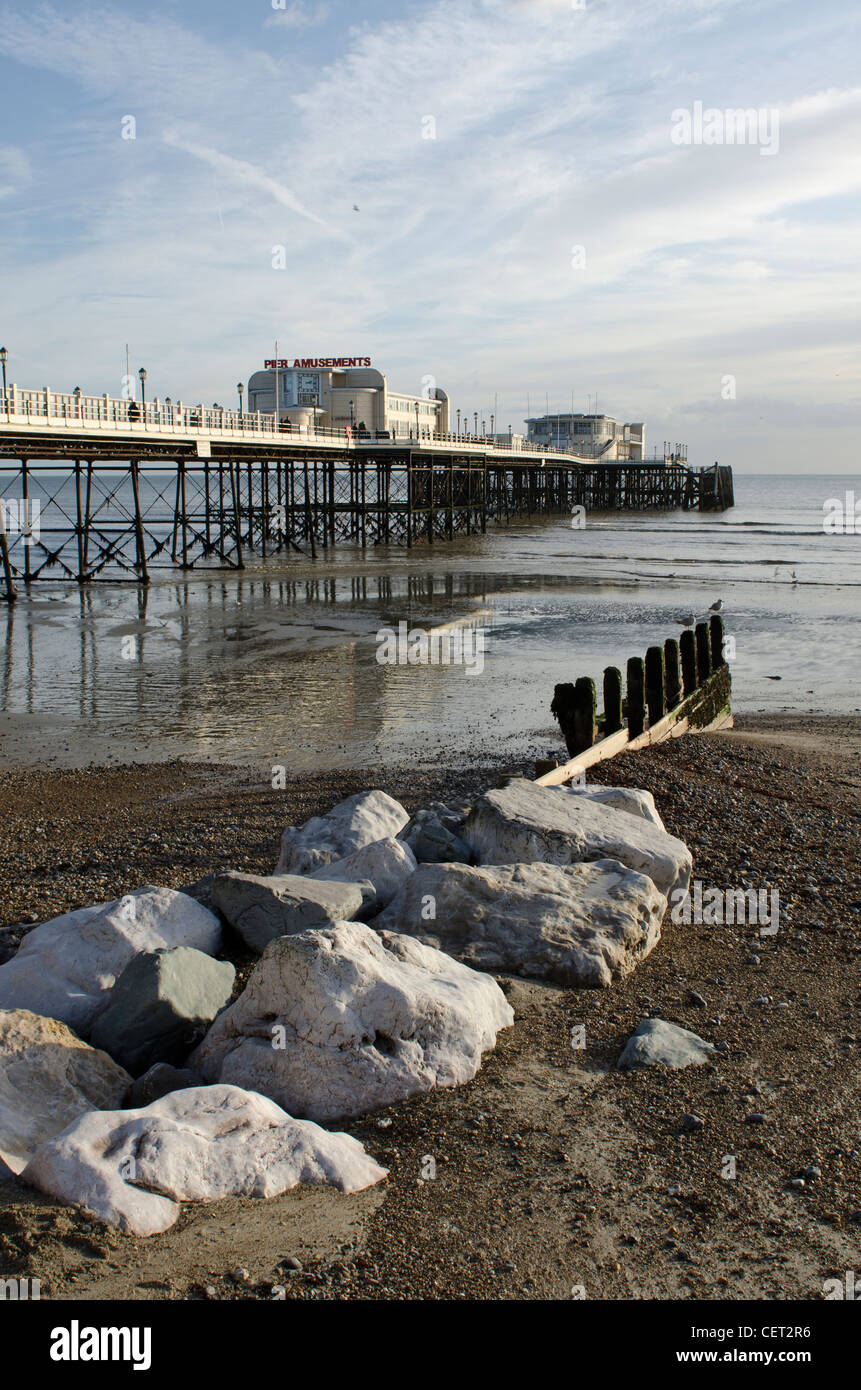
[{"x": 683, "y": 685}]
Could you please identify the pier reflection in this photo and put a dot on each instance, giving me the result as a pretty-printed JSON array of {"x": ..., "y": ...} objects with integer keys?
[{"x": 257, "y": 669}]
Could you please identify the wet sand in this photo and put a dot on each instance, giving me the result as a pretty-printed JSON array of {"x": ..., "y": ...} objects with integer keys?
[{"x": 553, "y": 1169}]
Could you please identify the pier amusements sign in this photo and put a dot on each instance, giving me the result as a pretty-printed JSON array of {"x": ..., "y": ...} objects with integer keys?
[{"x": 315, "y": 363}]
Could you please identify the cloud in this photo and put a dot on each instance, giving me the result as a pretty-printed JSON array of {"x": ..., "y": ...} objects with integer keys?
[
  {"x": 297, "y": 16},
  {"x": 551, "y": 128},
  {"x": 242, "y": 172},
  {"x": 15, "y": 171}
]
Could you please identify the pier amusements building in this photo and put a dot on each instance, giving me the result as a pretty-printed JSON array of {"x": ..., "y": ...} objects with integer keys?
[{"x": 342, "y": 393}]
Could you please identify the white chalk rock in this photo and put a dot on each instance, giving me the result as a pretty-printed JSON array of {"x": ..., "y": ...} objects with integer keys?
[
  {"x": 360, "y": 820},
  {"x": 48, "y": 1077},
  {"x": 339, "y": 1021},
  {"x": 387, "y": 864},
  {"x": 656, "y": 1043},
  {"x": 132, "y": 1168},
  {"x": 631, "y": 799},
  {"x": 66, "y": 967},
  {"x": 580, "y": 924},
  {"x": 523, "y": 823}
]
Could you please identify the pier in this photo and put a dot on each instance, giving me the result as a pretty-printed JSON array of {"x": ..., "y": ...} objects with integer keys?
[{"x": 97, "y": 488}]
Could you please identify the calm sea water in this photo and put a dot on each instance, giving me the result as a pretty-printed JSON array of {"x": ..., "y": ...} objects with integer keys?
[{"x": 278, "y": 665}]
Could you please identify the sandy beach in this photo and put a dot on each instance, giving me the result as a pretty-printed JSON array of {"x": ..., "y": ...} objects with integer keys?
[{"x": 554, "y": 1170}]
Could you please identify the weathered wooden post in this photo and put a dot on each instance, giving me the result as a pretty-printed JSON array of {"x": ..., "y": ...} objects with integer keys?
[
  {"x": 655, "y": 694},
  {"x": 574, "y": 707},
  {"x": 636, "y": 696},
  {"x": 716, "y": 636},
  {"x": 585, "y": 713},
  {"x": 672, "y": 673},
  {"x": 612, "y": 700},
  {"x": 704, "y": 663},
  {"x": 562, "y": 708},
  {"x": 687, "y": 647}
]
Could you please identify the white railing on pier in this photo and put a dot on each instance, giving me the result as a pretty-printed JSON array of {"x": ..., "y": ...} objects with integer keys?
[{"x": 54, "y": 411}]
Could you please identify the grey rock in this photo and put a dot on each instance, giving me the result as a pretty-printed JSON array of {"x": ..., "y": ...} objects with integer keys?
[
  {"x": 579, "y": 924},
  {"x": 656, "y": 1043},
  {"x": 65, "y": 968},
  {"x": 161, "y": 1006},
  {"x": 433, "y": 843},
  {"x": 263, "y": 908},
  {"x": 160, "y": 1080},
  {"x": 523, "y": 823}
]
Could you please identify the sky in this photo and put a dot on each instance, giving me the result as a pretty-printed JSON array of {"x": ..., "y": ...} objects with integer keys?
[{"x": 512, "y": 197}]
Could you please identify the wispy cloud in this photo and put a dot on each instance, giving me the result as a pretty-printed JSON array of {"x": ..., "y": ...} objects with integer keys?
[
  {"x": 482, "y": 140},
  {"x": 242, "y": 172}
]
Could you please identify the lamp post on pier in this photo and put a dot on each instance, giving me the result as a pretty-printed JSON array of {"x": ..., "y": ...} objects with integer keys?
[
  {"x": 3, "y": 356},
  {"x": 240, "y": 389},
  {"x": 142, "y": 375},
  {"x": 458, "y": 414}
]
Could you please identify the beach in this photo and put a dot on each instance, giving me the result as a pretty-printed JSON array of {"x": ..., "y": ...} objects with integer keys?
[{"x": 555, "y": 1171}]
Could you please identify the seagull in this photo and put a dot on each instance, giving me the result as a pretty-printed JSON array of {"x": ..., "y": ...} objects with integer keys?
[
  {"x": 688, "y": 621},
  {"x": 716, "y": 607},
  {"x": 355, "y": 208}
]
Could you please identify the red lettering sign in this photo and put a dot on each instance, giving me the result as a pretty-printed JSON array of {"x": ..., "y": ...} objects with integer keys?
[{"x": 315, "y": 363}]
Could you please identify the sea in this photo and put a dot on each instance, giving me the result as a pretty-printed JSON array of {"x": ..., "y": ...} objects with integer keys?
[{"x": 297, "y": 663}]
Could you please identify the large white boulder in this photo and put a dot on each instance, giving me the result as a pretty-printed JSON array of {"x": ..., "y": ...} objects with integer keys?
[
  {"x": 341, "y": 1020},
  {"x": 578, "y": 924},
  {"x": 522, "y": 823},
  {"x": 631, "y": 799},
  {"x": 260, "y": 908},
  {"x": 386, "y": 864},
  {"x": 131, "y": 1168},
  {"x": 360, "y": 820},
  {"x": 65, "y": 967},
  {"x": 48, "y": 1077}
]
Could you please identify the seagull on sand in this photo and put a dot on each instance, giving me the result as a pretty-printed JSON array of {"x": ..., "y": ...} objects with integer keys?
[{"x": 716, "y": 607}]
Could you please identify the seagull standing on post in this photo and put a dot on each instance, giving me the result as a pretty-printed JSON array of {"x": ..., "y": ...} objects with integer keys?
[{"x": 716, "y": 607}]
